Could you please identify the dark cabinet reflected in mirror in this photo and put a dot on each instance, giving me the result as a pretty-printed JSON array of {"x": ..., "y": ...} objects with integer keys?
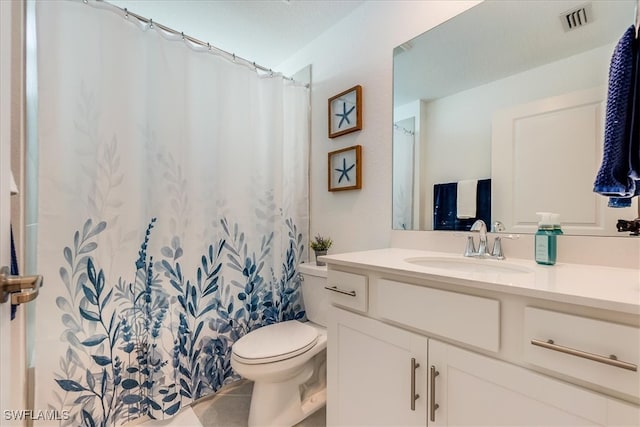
[{"x": 499, "y": 114}]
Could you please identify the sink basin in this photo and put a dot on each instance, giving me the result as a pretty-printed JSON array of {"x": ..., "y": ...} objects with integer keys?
[{"x": 469, "y": 265}]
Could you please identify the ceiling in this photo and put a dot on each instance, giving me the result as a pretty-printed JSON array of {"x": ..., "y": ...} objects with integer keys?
[
  {"x": 496, "y": 39},
  {"x": 264, "y": 31}
]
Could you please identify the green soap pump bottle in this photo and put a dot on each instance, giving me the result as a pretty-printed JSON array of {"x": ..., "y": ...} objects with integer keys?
[
  {"x": 546, "y": 239},
  {"x": 555, "y": 219}
]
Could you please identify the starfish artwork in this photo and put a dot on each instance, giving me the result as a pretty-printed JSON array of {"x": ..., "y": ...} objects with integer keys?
[
  {"x": 344, "y": 116},
  {"x": 344, "y": 172}
]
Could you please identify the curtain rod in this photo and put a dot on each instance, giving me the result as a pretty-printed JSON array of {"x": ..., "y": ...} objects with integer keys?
[
  {"x": 403, "y": 129},
  {"x": 231, "y": 56}
]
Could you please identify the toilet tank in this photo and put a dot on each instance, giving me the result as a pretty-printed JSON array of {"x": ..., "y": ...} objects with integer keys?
[{"x": 316, "y": 300}]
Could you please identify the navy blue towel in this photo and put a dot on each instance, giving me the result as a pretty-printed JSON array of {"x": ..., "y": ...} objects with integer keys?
[
  {"x": 444, "y": 206},
  {"x": 445, "y": 211},
  {"x": 615, "y": 177},
  {"x": 634, "y": 144}
]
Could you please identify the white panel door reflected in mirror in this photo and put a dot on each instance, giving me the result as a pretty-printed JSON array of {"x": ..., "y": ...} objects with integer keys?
[{"x": 497, "y": 56}]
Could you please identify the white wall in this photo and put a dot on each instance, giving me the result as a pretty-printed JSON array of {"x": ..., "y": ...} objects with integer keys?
[
  {"x": 472, "y": 110},
  {"x": 359, "y": 50}
]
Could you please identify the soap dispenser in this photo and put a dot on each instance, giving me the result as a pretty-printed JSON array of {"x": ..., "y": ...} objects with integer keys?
[
  {"x": 555, "y": 219},
  {"x": 546, "y": 239}
]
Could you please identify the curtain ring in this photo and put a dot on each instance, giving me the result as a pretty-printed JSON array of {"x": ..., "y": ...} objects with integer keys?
[
  {"x": 126, "y": 13},
  {"x": 234, "y": 57},
  {"x": 150, "y": 23},
  {"x": 209, "y": 45},
  {"x": 182, "y": 34}
]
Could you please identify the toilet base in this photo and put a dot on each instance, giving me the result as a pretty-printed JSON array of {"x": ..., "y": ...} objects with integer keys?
[
  {"x": 290, "y": 414},
  {"x": 284, "y": 404},
  {"x": 313, "y": 403}
]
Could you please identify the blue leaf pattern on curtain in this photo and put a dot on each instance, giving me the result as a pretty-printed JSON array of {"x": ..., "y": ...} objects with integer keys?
[
  {"x": 172, "y": 214},
  {"x": 120, "y": 326}
]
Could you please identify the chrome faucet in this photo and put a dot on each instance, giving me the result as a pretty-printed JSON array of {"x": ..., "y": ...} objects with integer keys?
[{"x": 480, "y": 228}]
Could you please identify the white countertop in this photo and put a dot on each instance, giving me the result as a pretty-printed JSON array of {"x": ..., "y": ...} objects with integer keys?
[{"x": 608, "y": 288}]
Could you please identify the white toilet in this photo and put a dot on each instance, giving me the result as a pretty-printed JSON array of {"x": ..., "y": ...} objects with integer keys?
[{"x": 287, "y": 360}]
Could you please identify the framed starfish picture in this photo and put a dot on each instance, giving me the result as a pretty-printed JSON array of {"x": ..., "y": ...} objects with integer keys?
[
  {"x": 345, "y": 112},
  {"x": 345, "y": 169}
]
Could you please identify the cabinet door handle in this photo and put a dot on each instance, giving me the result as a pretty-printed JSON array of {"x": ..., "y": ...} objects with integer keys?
[
  {"x": 611, "y": 360},
  {"x": 414, "y": 396},
  {"x": 433, "y": 406},
  {"x": 340, "y": 291}
]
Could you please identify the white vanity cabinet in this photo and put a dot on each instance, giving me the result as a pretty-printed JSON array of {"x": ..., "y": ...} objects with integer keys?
[
  {"x": 475, "y": 390},
  {"x": 422, "y": 350},
  {"x": 377, "y": 373}
]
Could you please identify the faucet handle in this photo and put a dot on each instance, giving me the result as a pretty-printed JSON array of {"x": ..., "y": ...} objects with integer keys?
[
  {"x": 496, "y": 252},
  {"x": 470, "y": 248}
]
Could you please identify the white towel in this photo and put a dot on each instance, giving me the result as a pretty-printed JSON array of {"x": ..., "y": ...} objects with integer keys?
[{"x": 466, "y": 201}]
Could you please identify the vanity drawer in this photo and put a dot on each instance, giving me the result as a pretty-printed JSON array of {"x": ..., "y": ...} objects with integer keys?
[
  {"x": 466, "y": 318},
  {"x": 347, "y": 290},
  {"x": 603, "y": 353}
]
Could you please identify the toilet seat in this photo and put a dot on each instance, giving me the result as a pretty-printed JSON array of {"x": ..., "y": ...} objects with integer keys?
[{"x": 274, "y": 343}]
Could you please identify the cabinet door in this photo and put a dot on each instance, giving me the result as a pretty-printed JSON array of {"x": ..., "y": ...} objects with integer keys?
[
  {"x": 471, "y": 389},
  {"x": 370, "y": 373}
]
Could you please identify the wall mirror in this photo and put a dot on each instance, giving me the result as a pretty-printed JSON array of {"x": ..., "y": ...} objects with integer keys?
[{"x": 510, "y": 94}]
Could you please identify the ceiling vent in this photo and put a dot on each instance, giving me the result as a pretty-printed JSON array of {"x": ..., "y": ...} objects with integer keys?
[{"x": 577, "y": 18}]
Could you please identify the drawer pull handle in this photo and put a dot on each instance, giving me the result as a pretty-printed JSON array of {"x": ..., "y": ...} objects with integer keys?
[
  {"x": 414, "y": 396},
  {"x": 340, "y": 291},
  {"x": 433, "y": 406},
  {"x": 611, "y": 360}
]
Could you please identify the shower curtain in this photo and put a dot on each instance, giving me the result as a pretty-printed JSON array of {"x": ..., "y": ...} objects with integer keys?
[
  {"x": 403, "y": 171},
  {"x": 173, "y": 214}
]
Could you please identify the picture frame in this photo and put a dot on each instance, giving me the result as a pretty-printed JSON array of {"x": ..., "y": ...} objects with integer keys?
[
  {"x": 345, "y": 169},
  {"x": 345, "y": 112}
]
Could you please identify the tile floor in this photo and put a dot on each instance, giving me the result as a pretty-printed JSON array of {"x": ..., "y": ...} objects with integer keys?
[{"x": 230, "y": 408}]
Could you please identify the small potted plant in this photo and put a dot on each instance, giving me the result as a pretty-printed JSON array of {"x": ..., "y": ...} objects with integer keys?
[{"x": 320, "y": 245}]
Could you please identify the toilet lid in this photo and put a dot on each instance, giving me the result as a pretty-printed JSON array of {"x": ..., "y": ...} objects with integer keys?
[{"x": 275, "y": 342}]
